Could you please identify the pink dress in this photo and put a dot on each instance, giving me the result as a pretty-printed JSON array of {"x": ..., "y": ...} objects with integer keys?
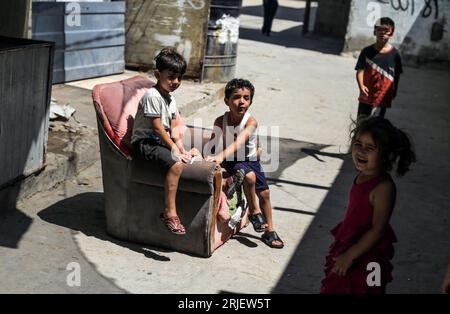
[{"x": 357, "y": 221}]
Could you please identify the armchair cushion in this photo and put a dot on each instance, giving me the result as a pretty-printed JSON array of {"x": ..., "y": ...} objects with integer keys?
[{"x": 116, "y": 105}]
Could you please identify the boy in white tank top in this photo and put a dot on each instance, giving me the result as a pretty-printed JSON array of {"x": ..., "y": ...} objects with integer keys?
[{"x": 234, "y": 139}]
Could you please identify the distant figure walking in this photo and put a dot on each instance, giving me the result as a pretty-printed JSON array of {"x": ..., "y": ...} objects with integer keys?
[{"x": 270, "y": 9}]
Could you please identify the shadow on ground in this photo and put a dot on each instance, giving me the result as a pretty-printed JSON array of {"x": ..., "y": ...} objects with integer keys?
[
  {"x": 283, "y": 13},
  {"x": 290, "y": 151},
  {"x": 13, "y": 224},
  {"x": 421, "y": 217},
  {"x": 305, "y": 269},
  {"x": 291, "y": 37},
  {"x": 85, "y": 213}
]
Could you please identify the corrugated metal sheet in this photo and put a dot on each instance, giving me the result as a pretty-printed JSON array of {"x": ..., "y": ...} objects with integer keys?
[
  {"x": 152, "y": 25},
  {"x": 91, "y": 46},
  {"x": 25, "y": 88}
]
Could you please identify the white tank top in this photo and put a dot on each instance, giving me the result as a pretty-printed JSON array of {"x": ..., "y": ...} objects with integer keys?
[{"x": 250, "y": 145}]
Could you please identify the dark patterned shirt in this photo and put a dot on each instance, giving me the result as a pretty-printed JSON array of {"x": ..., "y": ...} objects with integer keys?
[{"x": 380, "y": 72}]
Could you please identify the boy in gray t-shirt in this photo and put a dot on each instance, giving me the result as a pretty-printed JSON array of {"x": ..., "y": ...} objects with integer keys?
[
  {"x": 155, "y": 136},
  {"x": 153, "y": 105}
]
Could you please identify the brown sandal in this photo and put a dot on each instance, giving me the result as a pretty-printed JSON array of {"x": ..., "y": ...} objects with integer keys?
[{"x": 174, "y": 224}]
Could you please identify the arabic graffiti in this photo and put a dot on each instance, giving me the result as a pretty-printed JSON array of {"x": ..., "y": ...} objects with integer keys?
[
  {"x": 197, "y": 6},
  {"x": 430, "y": 6},
  {"x": 428, "y": 10}
]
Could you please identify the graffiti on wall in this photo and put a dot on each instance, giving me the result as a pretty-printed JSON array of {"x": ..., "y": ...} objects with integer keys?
[
  {"x": 196, "y": 4},
  {"x": 430, "y": 7}
]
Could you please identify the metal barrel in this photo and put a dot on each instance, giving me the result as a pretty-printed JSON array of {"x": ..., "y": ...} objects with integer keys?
[{"x": 221, "y": 46}]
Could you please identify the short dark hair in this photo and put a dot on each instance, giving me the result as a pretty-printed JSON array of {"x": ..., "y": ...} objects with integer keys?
[
  {"x": 393, "y": 144},
  {"x": 385, "y": 21},
  {"x": 239, "y": 83},
  {"x": 169, "y": 59}
]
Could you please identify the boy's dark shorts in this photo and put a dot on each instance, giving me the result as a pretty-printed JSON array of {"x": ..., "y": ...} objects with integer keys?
[
  {"x": 248, "y": 166},
  {"x": 146, "y": 149},
  {"x": 365, "y": 110}
]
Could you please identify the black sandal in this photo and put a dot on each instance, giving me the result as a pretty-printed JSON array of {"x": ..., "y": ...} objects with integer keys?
[
  {"x": 269, "y": 237},
  {"x": 258, "y": 221}
]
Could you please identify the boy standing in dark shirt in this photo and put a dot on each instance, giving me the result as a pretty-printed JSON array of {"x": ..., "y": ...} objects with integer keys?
[{"x": 378, "y": 71}]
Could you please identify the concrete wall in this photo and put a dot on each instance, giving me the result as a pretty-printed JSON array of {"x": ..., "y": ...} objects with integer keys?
[
  {"x": 422, "y": 31},
  {"x": 15, "y": 18},
  {"x": 332, "y": 18},
  {"x": 152, "y": 25}
]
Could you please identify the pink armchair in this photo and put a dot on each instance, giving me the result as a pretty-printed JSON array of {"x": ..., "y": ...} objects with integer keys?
[{"x": 134, "y": 189}]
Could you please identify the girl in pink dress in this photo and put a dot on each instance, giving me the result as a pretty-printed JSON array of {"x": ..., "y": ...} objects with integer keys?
[{"x": 359, "y": 259}]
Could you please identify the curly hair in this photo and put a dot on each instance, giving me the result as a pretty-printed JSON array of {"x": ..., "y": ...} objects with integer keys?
[
  {"x": 239, "y": 83},
  {"x": 393, "y": 144}
]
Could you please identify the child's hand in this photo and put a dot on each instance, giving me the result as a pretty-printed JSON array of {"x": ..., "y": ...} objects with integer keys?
[
  {"x": 259, "y": 152},
  {"x": 341, "y": 264},
  {"x": 194, "y": 152},
  {"x": 181, "y": 156},
  {"x": 185, "y": 158},
  {"x": 364, "y": 90},
  {"x": 217, "y": 158}
]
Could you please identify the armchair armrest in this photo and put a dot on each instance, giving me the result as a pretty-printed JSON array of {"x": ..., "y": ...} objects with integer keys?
[
  {"x": 197, "y": 177},
  {"x": 198, "y": 172}
]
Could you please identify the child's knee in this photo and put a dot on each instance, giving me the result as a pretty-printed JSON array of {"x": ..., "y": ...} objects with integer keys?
[
  {"x": 177, "y": 168},
  {"x": 250, "y": 178}
]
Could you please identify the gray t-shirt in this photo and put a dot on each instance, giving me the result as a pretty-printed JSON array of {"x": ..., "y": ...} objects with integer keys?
[{"x": 152, "y": 104}]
